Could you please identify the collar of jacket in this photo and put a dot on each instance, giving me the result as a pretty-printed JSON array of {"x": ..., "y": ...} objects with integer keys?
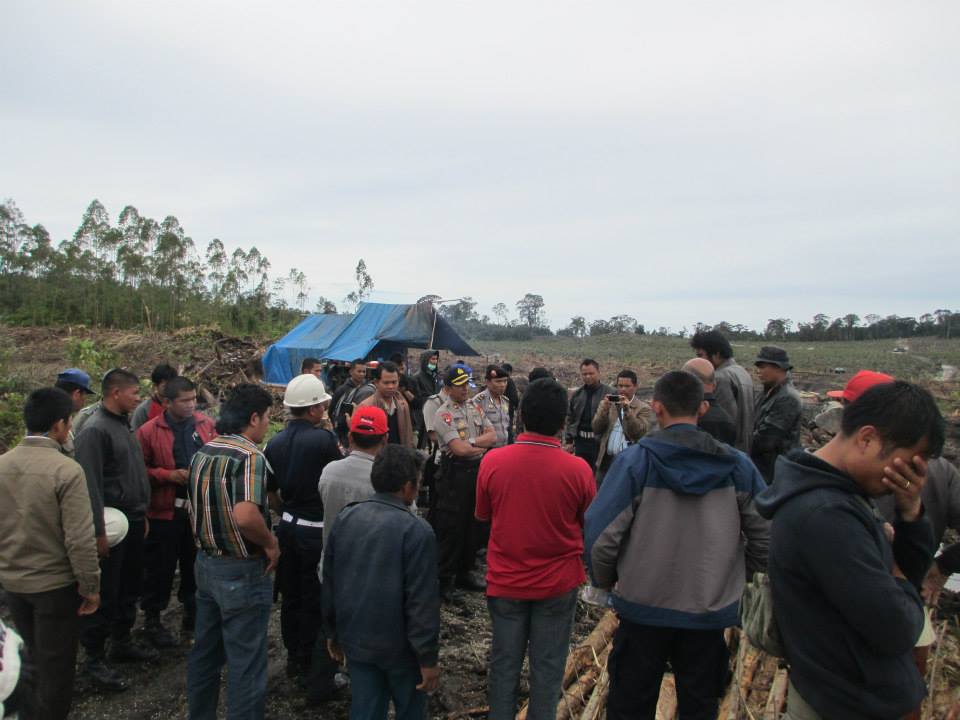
[
  {"x": 40, "y": 441},
  {"x": 125, "y": 419},
  {"x": 164, "y": 423},
  {"x": 390, "y": 499}
]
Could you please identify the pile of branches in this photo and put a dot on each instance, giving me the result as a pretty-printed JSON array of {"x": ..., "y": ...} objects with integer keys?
[
  {"x": 757, "y": 690},
  {"x": 233, "y": 361}
]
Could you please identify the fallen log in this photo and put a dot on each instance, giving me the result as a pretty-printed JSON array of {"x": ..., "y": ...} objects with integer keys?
[
  {"x": 598, "y": 700},
  {"x": 575, "y": 697}
]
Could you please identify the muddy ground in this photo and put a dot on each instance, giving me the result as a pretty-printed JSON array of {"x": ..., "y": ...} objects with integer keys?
[{"x": 158, "y": 691}]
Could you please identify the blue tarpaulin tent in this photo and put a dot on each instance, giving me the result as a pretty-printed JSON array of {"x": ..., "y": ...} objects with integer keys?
[{"x": 376, "y": 331}]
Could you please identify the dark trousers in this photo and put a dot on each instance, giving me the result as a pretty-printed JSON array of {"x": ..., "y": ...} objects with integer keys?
[
  {"x": 374, "y": 686},
  {"x": 169, "y": 543},
  {"x": 588, "y": 449},
  {"x": 121, "y": 581},
  {"x": 453, "y": 519},
  {"x": 300, "y": 606},
  {"x": 50, "y": 628},
  {"x": 540, "y": 628},
  {"x": 640, "y": 652}
]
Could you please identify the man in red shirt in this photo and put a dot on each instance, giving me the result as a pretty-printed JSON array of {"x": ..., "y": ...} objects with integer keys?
[{"x": 535, "y": 496}]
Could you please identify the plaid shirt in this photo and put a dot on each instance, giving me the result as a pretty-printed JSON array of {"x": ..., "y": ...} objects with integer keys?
[{"x": 227, "y": 470}]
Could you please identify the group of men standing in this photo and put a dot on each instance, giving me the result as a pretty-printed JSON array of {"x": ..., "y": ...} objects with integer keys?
[{"x": 668, "y": 502}]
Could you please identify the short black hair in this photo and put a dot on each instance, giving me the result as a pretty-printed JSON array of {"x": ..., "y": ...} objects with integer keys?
[
  {"x": 355, "y": 362},
  {"x": 544, "y": 407},
  {"x": 712, "y": 342},
  {"x": 385, "y": 366},
  {"x": 117, "y": 378},
  {"x": 162, "y": 373},
  {"x": 177, "y": 385},
  {"x": 308, "y": 364},
  {"x": 590, "y": 361},
  {"x": 538, "y": 373},
  {"x": 394, "y": 467},
  {"x": 397, "y": 359},
  {"x": 45, "y": 407},
  {"x": 680, "y": 392},
  {"x": 364, "y": 441},
  {"x": 629, "y": 375},
  {"x": 244, "y": 400},
  {"x": 902, "y": 413}
]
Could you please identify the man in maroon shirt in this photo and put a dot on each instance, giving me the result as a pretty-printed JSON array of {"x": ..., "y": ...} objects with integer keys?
[{"x": 535, "y": 496}]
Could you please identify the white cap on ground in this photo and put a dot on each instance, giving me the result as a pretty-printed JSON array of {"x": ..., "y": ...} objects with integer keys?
[
  {"x": 116, "y": 525},
  {"x": 10, "y": 644},
  {"x": 305, "y": 390}
]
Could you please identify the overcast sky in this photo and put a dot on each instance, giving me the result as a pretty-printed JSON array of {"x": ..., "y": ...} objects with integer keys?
[{"x": 673, "y": 161}]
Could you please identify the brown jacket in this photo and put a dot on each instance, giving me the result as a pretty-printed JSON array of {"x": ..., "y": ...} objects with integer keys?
[
  {"x": 46, "y": 524},
  {"x": 404, "y": 422},
  {"x": 635, "y": 423}
]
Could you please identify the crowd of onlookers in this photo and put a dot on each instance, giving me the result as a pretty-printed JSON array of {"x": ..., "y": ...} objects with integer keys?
[{"x": 378, "y": 502}]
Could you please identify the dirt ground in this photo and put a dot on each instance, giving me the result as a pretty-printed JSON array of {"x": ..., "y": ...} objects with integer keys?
[{"x": 158, "y": 691}]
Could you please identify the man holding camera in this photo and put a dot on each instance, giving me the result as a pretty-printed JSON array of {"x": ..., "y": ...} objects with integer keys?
[{"x": 621, "y": 419}]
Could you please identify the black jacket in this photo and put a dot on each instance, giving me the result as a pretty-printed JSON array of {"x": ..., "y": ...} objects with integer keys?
[
  {"x": 381, "y": 597},
  {"x": 423, "y": 384},
  {"x": 776, "y": 427},
  {"x": 112, "y": 460},
  {"x": 717, "y": 422},
  {"x": 848, "y": 625}
]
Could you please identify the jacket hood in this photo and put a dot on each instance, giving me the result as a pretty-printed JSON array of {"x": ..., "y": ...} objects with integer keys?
[
  {"x": 799, "y": 473},
  {"x": 694, "y": 467},
  {"x": 424, "y": 357}
]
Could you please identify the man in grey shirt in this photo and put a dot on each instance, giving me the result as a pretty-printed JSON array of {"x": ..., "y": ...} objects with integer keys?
[{"x": 348, "y": 481}]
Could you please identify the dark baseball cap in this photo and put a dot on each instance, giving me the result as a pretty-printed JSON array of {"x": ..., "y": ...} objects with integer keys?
[
  {"x": 77, "y": 377},
  {"x": 456, "y": 377}
]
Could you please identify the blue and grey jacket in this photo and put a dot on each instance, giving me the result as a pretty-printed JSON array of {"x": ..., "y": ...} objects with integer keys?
[{"x": 674, "y": 528}]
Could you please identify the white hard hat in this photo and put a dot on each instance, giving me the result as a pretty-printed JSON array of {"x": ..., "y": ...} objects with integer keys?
[
  {"x": 115, "y": 525},
  {"x": 305, "y": 390}
]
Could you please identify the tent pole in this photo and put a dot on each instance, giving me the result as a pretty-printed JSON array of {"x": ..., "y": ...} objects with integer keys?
[{"x": 433, "y": 330}]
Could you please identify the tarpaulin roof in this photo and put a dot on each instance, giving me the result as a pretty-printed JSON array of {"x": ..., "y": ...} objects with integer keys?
[{"x": 377, "y": 330}]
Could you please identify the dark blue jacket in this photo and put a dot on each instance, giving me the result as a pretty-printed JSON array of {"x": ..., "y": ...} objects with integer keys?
[
  {"x": 848, "y": 625},
  {"x": 297, "y": 455},
  {"x": 381, "y": 597}
]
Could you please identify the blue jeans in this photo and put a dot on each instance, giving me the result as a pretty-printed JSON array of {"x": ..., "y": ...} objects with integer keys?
[
  {"x": 373, "y": 687},
  {"x": 234, "y": 598},
  {"x": 543, "y": 624}
]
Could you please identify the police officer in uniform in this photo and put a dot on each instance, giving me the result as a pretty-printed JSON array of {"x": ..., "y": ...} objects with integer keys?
[
  {"x": 495, "y": 405},
  {"x": 464, "y": 433},
  {"x": 297, "y": 456}
]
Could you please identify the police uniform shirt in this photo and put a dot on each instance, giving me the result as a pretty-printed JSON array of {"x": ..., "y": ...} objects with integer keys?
[
  {"x": 497, "y": 412},
  {"x": 466, "y": 422}
]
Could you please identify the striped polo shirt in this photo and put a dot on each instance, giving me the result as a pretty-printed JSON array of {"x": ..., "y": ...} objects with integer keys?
[{"x": 227, "y": 470}]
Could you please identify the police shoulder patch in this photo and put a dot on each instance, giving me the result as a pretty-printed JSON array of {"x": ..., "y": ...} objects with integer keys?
[{"x": 447, "y": 418}]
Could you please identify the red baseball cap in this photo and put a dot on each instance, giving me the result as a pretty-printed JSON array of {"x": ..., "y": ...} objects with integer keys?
[
  {"x": 368, "y": 420},
  {"x": 859, "y": 384}
]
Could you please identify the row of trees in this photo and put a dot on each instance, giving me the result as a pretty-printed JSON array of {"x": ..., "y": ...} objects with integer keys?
[{"x": 138, "y": 272}]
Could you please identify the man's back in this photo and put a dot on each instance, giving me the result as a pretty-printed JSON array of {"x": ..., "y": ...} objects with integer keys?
[
  {"x": 380, "y": 584},
  {"x": 46, "y": 523},
  {"x": 536, "y": 496},
  {"x": 344, "y": 482},
  {"x": 734, "y": 382},
  {"x": 677, "y": 497}
]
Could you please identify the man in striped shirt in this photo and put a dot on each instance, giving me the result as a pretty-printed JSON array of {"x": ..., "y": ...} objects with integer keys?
[{"x": 231, "y": 522}]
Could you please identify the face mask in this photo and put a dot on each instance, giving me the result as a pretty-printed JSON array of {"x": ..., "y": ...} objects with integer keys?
[{"x": 431, "y": 366}]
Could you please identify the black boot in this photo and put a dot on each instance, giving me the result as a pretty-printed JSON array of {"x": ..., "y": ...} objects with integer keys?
[
  {"x": 189, "y": 620},
  {"x": 102, "y": 676},
  {"x": 125, "y": 650},
  {"x": 156, "y": 633}
]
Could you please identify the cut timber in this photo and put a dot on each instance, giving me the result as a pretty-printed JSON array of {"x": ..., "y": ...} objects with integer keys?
[
  {"x": 730, "y": 705},
  {"x": 575, "y": 697},
  {"x": 777, "y": 697},
  {"x": 667, "y": 704},
  {"x": 598, "y": 700}
]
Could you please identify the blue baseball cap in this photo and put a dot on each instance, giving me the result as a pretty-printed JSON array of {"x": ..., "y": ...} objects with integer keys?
[{"x": 77, "y": 377}]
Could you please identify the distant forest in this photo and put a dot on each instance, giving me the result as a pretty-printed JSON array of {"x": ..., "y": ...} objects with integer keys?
[{"x": 142, "y": 274}]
